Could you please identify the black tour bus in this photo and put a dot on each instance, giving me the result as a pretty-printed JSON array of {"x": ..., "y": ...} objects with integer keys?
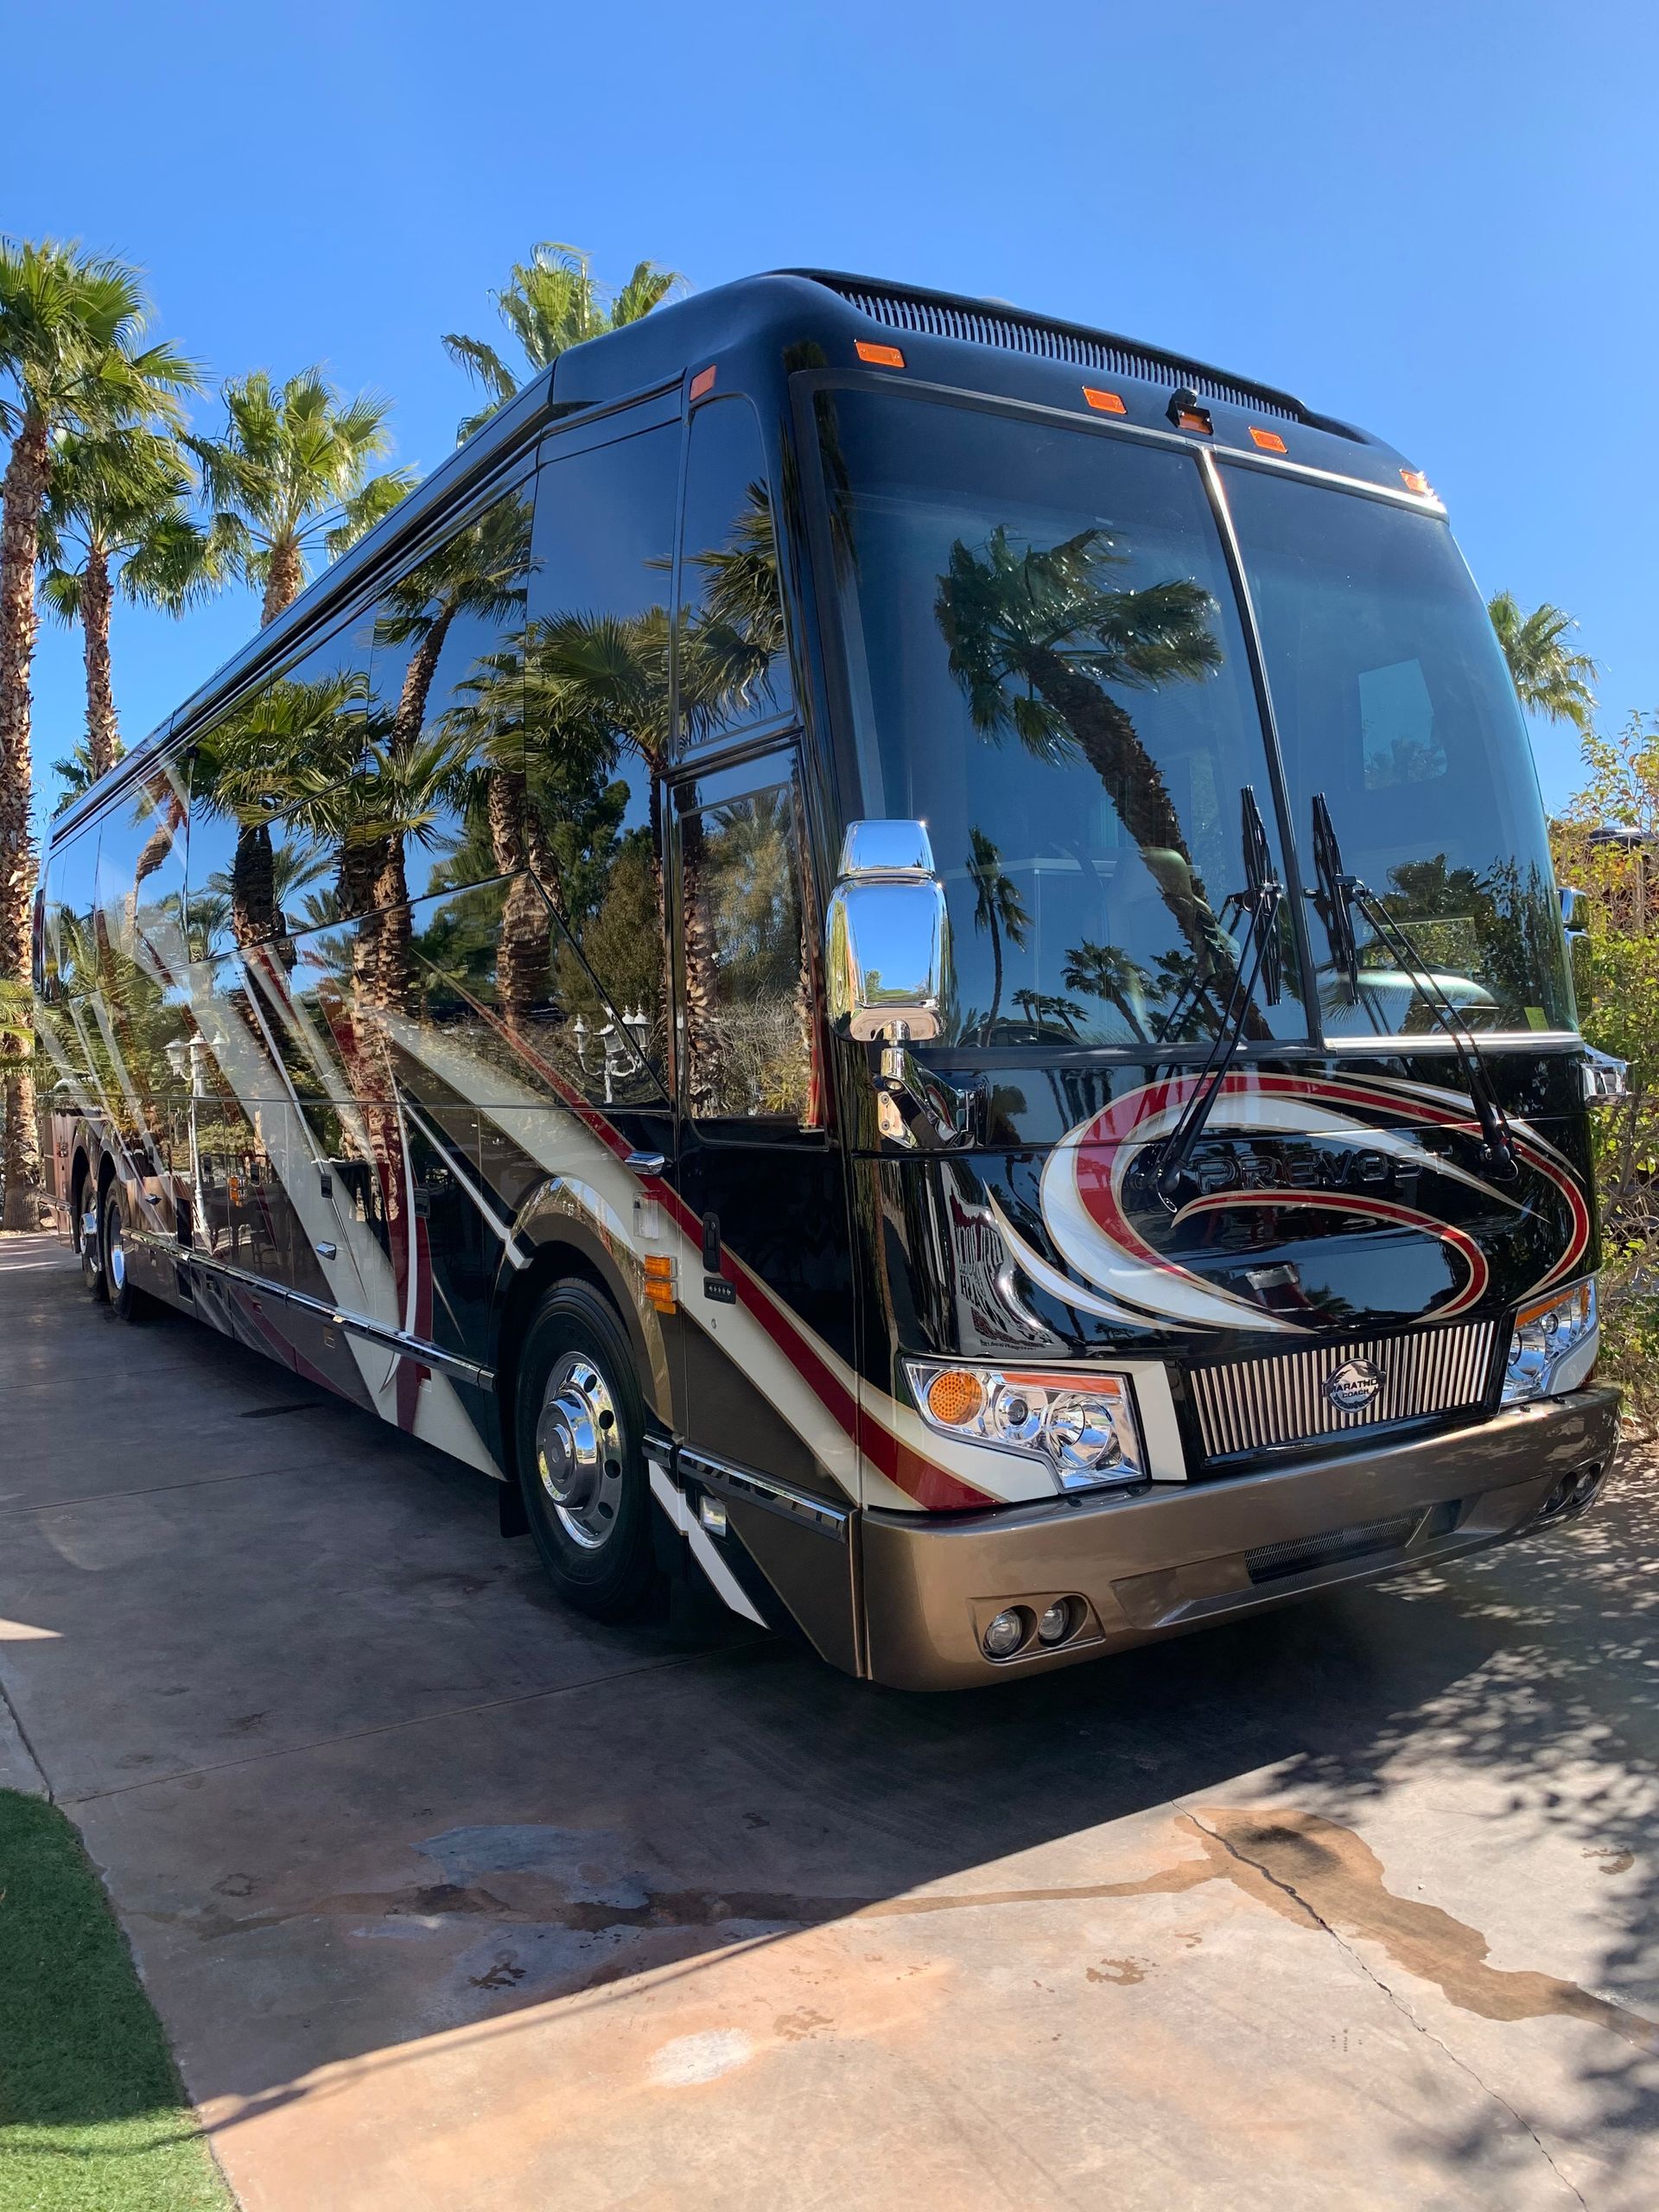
[{"x": 890, "y": 951}]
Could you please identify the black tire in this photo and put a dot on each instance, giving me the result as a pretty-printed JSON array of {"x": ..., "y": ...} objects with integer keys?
[
  {"x": 579, "y": 1428},
  {"x": 89, "y": 1243},
  {"x": 127, "y": 1302}
]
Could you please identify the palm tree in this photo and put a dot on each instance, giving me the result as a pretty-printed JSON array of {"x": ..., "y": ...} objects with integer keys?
[
  {"x": 74, "y": 775},
  {"x": 998, "y": 910},
  {"x": 551, "y": 302},
  {"x": 292, "y": 473},
  {"x": 1036, "y": 638},
  {"x": 118, "y": 513},
  {"x": 71, "y": 356},
  {"x": 1550, "y": 678},
  {"x": 1107, "y": 972}
]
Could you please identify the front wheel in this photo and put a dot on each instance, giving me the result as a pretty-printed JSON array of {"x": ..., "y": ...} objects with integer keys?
[
  {"x": 579, "y": 1425},
  {"x": 127, "y": 1302}
]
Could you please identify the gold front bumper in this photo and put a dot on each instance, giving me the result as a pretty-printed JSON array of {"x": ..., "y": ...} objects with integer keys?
[{"x": 1162, "y": 1560}]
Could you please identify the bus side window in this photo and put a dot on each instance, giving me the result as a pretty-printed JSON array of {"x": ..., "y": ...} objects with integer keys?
[
  {"x": 732, "y": 657},
  {"x": 596, "y": 745},
  {"x": 747, "y": 997},
  {"x": 270, "y": 788}
]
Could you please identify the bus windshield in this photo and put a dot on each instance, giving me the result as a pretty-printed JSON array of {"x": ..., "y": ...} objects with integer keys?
[
  {"x": 1391, "y": 696},
  {"x": 1048, "y": 668},
  {"x": 1046, "y": 665}
]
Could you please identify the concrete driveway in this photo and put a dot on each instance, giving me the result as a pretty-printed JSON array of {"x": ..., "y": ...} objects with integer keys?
[{"x": 452, "y": 1900}]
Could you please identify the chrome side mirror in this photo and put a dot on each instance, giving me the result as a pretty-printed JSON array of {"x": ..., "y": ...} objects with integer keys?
[
  {"x": 887, "y": 956},
  {"x": 887, "y": 936},
  {"x": 1606, "y": 1079},
  {"x": 1572, "y": 903}
]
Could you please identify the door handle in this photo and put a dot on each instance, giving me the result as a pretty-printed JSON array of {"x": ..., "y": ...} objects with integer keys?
[
  {"x": 327, "y": 1251},
  {"x": 645, "y": 1163}
]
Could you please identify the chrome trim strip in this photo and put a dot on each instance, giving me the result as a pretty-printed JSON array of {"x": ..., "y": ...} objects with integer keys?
[
  {"x": 398, "y": 1340},
  {"x": 764, "y": 1490}
]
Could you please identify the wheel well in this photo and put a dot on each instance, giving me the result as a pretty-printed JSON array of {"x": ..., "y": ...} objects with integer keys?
[
  {"x": 553, "y": 1263},
  {"x": 79, "y": 1173}
]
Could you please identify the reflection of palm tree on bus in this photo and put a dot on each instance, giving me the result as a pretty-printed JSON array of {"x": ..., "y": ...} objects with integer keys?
[
  {"x": 1038, "y": 640},
  {"x": 999, "y": 911}
]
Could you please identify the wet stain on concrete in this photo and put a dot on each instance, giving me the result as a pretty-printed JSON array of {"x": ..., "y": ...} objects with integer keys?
[
  {"x": 1336, "y": 1879},
  {"x": 1306, "y": 1869},
  {"x": 1612, "y": 1861}
]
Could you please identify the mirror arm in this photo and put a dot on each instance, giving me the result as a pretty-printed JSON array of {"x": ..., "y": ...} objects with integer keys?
[{"x": 927, "y": 1111}]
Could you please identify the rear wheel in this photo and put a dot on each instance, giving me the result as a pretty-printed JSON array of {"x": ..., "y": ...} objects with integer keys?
[
  {"x": 579, "y": 1430},
  {"x": 127, "y": 1301},
  {"x": 88, "y": 1241}
]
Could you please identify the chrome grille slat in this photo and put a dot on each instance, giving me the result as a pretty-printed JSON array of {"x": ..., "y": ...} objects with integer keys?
[{"x": 1261, "y": 1405}]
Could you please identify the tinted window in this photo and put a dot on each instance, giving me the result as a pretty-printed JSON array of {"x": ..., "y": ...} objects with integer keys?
[
  {"x": 748, "y": 1002},
  {"x": 1046, "y": 666},
  {"x": 596, "y": 709},
  {"x": 140, "y": 931},
  {"x": 445, "y": 729},
  {"x": 733, "y": 668},
  {"x": 71, "y": 897},
  {"x": 271, "y": 800},
  {"x": 1392, "y": 697}
]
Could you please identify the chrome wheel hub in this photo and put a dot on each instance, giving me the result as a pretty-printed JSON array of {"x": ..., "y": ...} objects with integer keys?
[
  {"x": 118, "y": 1256},
  {"x": 579, "y": 1449}
]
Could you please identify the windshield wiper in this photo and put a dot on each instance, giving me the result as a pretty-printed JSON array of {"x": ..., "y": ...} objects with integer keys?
[
  {"x": 1338, "y": 898},
  {"x": 1260, "y": 901}
]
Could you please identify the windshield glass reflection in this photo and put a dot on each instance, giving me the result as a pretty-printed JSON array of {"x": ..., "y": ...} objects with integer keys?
[{"x": 1047, "y": 667}]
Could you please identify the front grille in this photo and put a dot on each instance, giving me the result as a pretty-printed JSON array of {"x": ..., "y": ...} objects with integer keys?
[
  {"x": 1264, "y": 1405},
  {"x": 1018, "y": 333}
]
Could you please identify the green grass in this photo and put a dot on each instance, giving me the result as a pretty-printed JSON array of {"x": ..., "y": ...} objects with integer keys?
[{"x": 93, "y": 2115}]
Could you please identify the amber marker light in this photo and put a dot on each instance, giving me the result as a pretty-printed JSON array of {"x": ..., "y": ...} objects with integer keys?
[
  {"x": 955, "y": 1396},
  {"x": 879, "y": 357},
  {"x": 703, "y": 381},
  {"x": 1415, "y": 481},
  {"x": 659, "y": 1282},
  {"x": 1103, "y": 403},
  {"x": 1269, "y": 440}
]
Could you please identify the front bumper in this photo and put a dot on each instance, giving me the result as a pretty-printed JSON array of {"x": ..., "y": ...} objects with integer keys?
[{"x": 1161, "y": 1561}]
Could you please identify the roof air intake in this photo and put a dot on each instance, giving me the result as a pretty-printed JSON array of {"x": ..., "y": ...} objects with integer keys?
[{"x": 937, "y": 314}]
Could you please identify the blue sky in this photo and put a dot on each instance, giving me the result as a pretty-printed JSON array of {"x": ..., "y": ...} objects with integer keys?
[{"x": 1436, "y": 220}]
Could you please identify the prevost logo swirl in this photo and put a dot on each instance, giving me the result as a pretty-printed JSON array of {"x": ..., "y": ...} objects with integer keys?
[{"x": 1111, "y": 1269}]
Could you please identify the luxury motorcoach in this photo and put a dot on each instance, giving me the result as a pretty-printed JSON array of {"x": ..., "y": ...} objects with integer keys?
[{"x": 890, "y": 952}]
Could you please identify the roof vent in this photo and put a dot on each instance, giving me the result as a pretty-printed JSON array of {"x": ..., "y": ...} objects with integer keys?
[{"x": 937, "y": 314}]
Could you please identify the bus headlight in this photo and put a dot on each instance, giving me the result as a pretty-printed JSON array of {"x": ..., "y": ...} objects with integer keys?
[
  {"x": 1554, "y": 1345},
  {"x": 1082, "y": 1425}
]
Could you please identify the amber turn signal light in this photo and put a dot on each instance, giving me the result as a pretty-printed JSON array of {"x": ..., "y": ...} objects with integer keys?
[
  {"x": 955, "y": 1396},
  {"x": 1269, "y": 440},
  {"x": 1103, "y": 403},
  {"x": 880, "y": 357},
  {"x": 703, "y": 381},
  {"x": 1415, "y": 481},
  {"x": 659, "y": 1282}
]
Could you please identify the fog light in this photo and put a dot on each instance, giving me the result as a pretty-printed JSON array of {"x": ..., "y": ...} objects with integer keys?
[
  {"x": 1005, "y": 1635},
  {"x": 1054, "y": 1622}
]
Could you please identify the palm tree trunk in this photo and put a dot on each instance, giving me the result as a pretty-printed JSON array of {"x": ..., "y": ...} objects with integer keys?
[
  {"x": 395, "y": 937},
  {"x": 1109, "y": 740},
  {"x": 284, "y": 580},
  {"x": 521, "y": 853},
  {"x": 702, "y": 1025},
  {"x": 254, "y": 885},
  {"x": 996, "y": 978},
  {"x": 20, "y": 1163},
  {"x": 24, "y": 494},
  {"x": 102, "y": 734}
]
